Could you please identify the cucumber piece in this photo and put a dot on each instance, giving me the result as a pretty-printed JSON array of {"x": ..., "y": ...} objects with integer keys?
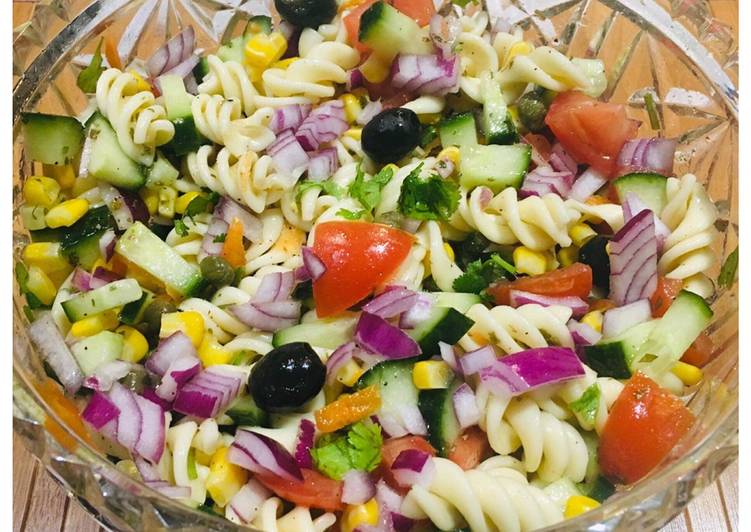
[
  {"x": 497, "y": 123},
  {"x": 108, "y": 162},
  {"x": 52, "y": 139},
  {"x": 177, "y": 103},
  {"x": 143, "y": 248},
  {"x": 615, "y": 356},
  {"x": 32, "y": 217},
  {"x": 458, "y": 130},
  {"x": 259, "y": 24},
  {"x": 201, "y": 70},
  {"x": 437, "y": 408},
  {"x": 244, "y": 411},
  {"x": 47, "y": 234},
  {"x": 109, "y": 296},
  {"x": 80, "y": 242},
  {"x": 328, "y": 333},
  {"x": 233, "y": 50},
  {"x": 93, "y": 351},
  {"x": 133, "y": 311},
  {"x": 443, "y": 324},
  {"x": 391, "y": 32},
  {"x": 559, "y": 491},
  {"x": 394, "y": 381},
  {"x": 187, "y": 137},
  {"x": 649, "y": 188},
  {"x": 594, "y": 486},
  {"x": 161, "y": 173},
  {"x": 496, "y": 167},
  {"x": 594, "y": 70},
  {"x": 460, "y": 301}
]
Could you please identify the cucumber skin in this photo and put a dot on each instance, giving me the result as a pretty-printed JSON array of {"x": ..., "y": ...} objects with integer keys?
[
  {"x": 52, "y": 139},
  {"x": 458, "y": 130},
  {"x": 108, "y": 162},
  {"x": 477, "y": 166},
  {"x": 80, "y": 242},
  {"x": 447, "y": 329},
  {"x": 187, "y": 137},
  {"x": 608, "y": 360},
  {"x": 653, "y": 189},
  {"x": 132, "y": 312},
  {"x": 435, "y": 407},
  {"x": 85, "y": 304},
  {"x": 244, "y": 411}
]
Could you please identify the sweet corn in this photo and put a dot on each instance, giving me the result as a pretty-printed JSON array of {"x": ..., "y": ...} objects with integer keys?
[
  {"x": 190, "y": 322},
  {"x": 593, "y": 319},
  {"x": 33, "y": 217},
  {"x": 45, "y": 255},
  {"x": 262, "y": 50},
  {"x": 166, "y": 206},
  {"x": 225, "y": 479},
  {"x": 40, "y": 285},
  {"x": 529, "y": 261},
  {"x": 285, "y": 63},
  {"x": 135, "y": 345},
  {"x": 579, "y": 504},
  {"x": 356, "y": 515},
  {"x": 581, "y": 233},
  {"x": 449, "y": 154},
  {"x": 150, "y": 197},
  {"x": 568, "y": 256},
  {"x": 91, "y": 325},
  {"x": 83, "y": 184},
  {"x": 182, "y": 202},
  {"x": 520, "y": 48},
  {"x": 141, "y": 84},
  {"x": 66, "y": 213},
  {"x": 449, "y": 251},
  {"x": 201, "y": 457},
  {"x": 349, "y": 373},
  {"x": 41, "y": 191},
  {"x": 352, "y": 107},
  {"x": 64, "y": 174},
  {"x": 354, "y": 133},
  {"x": 212, "y": 353},
  {"x": 431, "y": 375},
  {"x": 688, "y": 374}
]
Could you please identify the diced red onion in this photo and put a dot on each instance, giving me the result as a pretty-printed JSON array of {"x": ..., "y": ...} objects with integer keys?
[
  {"x": 355, "y": 79},
  {"x": 168, "y": 490},
  {"x": 324, "y": 124},
  {"x": 323, "y": 164},
  {"x": 465, "y": 406},
  {"x": 117, "y": 206},
  {"x": 209, "y": 393},
  {"x": 410, "y": 225},
  {"x": 194, "y": 400},
  {"x": 216, "y": 228},
  {"x": 357, "y": 487},
  {"x": 338, "y": 360},
  {"x": 633, "y": 205},
  {"x": 174, "y": 52},
  {"x": 369, "y": 111},
  {"x": 523, "y": 371},
  {"x": 578, "y": 306},
  {"x": 272, "y": 316},
  {"x": 583, "y": 334},
  {"x": 129, "y": 423},
  {"x": 107, "y": 244},
  {"x": 275, "y": 286},
  {"x": 589, "y": 182},
  {"x": 81, "y": 280},
  {"x": 148, "y": 471},
  {"x": 246, "y": 502},
  {"x": 288, "y": 154},
  {"x": 389, "y": 504},
  {"x": 106, "y": 374},
  {"x": 444, "y": 31},
  {"x": 425, "y": 74},
  {"x": 228, "y": 210},
  {"x": 413, "y": 467},
  {"x": 391, "y": 425},
  {"x": 315, "y": 266},
  {"x": 305, "y": 438},
  {"x": 150, "y": 394},
  {"x": 633, "y": 260},
  {"x": 83, "y": 165},
  {"x": 411, "y": 419},
  {"x": 647, "y": 155},
  {"x": 103, "y": 276},
  {"x": 288, "y": 117},
  {"x": 620, "y": 319},
  {"x": 474, "y": 361},
  {"x": 391, "y": 303},
  {"x": 417, "y": 313},
  {"x": 180, "y": 371},
  {"x": 100, "y": 410},
  {"x": 561, "y": 161},
  {"x": 175, "y": 346},
  {"x": 448, "y": 354},
  {"x": 265, "y": 455},
  {"x": 51, "y": 344},
  {"x": 544, "y": 180},
  {"x": 150, "y": 443},
  {"x": 182, "y": 70},
  {"x": 378, "y": 336}
]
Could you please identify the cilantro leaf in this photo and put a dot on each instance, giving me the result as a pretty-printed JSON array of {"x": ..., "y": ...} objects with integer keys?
[
  {"x": 218, "y": 239},
  {"x": 351, "y": 215},
  {"x": 729, "y": 270},
  {"x": 429, "y": 199},
  {"x": 328, "y": 187},
  {"x": 480, "y": 274},
  {"x": 587, "y": 404},
  {"x": 89, "y": 76},
  {"x": 200, "y": 204},
  {"x": 368, "y": 192},
  {"x": 360, "y": 448},
  {"x": 180, "y": 227},
  {"x": 22, "y": 278}
]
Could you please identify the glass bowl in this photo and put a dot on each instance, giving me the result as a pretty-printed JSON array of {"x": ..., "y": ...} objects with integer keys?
[{"x": 677, "y": 51}]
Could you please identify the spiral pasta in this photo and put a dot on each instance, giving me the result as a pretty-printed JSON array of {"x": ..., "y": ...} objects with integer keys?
[
  {"x": 481, "y": 500},
  {"x": 546, "y": 67},
  {"x": 229, "y": 79},
  {"x": 270, "y": 519},
  {"x": 139, "y": 122}
]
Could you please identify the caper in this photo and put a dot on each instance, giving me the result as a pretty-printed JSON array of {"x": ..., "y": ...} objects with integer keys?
[
  {"x": 152, "y": 315},
  {"x": 217, "y": 271}
]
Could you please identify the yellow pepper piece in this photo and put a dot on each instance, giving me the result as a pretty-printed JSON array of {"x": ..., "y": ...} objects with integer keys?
[
  {"x": 262, "y": 50},
  {"x": 520, "y": 48},
  {"x": 40, "y": 285},
  {"x": 352, "y": 107},
  {"x": 290, "y": 241},
  {"x": 285, "y": 63},
  {"x": 64, "y": 174},
  {"x": 66, "y": 213},
  {"x": 579, "y": 504},
  {"x": 593, "y": 319},
  {"x": 135, "y": 345},
  {"x": 182, "y": 202},
  {"x": 150, "y": 197},
  {"x": 449, "y": 251},
  {"x": 141, "y": 84},
  {"x": 45, "y": 255},
  {"x": 529, "y": 261},
  {"x": 212, "y": 353},
  {"x": 190, "y": 322},
  {"x": 91, "y": 325},
  {"x": 581, "y": 233},
  {"x": 167, "y": 198},
  {"x": 449, "y": 154},
  {"x": 41, "y": 191},
  {"x": 568, "y": 256},
  {"x": 688, "y": 373},
  {"x": 225, "y": 479},
  {"x": 431, "y": 375},
  {"x": 349, "y": 373},
  {"x": 354, "y": 133},
  {"x": 356, "y": 515}
]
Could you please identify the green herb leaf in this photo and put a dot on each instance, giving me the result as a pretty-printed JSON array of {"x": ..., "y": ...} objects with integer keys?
[
  {"x": 586, "y": 406},
  {"x": 480, "y": 274},
  {"x": 88, "y": 77},
  {"x": 654, "y": 117},
  {"x": 192, "y": 472},
  {"x": 351, "y": 215},
  {"x": 22, "y": 277},
  {"x": 181, "y": 228},
  {"x": 220, "y": 238},
  {"x": 430, "y": 199},
  {"x": 200, "y": 204},
  {"x": 368, "y": 191},
  {"x": 328, "y": 187},
  {"x": 729, "y": 270},
  {"x": 360, "y": 448}
]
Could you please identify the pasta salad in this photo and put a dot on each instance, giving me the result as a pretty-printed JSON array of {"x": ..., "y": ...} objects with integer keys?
[{"x": 368, "y": 266}]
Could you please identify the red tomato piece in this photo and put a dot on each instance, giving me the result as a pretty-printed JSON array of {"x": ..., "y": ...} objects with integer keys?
[
  {"x": 644, "y": 424},
  {"x": 352, "y": 24},
  {"x": 359, "y": 256},
  {"x": 593, "y": 132},
  {"x": 316, "y": 490},
  {"x": 421, "y": 11},
  {"x": 664, "y": 295},
  {"x": 574, "y": 280},
  {"x": 700, "y": 352},
  {"x": 470, "y": 448},
  {"x": 393, "y": 447},
  {"x": 540, "y": 147}
]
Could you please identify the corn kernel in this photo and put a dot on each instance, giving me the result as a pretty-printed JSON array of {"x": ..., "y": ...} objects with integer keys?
[
  {"x": 262, "y": 50},
  {"x": 83, "y": 184},
  {"x": 32, "y": 217},
  {"x": 579, "y": 504},
  {"x": 141, "y": 84},
  {"x": 41, "y": 191},
  {"x": 135, "y": 345},
  {"x": 449, "y": 251},
  {"x": 190, "y": 322},
  {"x": 581, "y": 233},
  {"x": 225, "y": 479},
  {"x": 450, "y": 154},
  {"x": 150, "y": 197},
  {"x": 529, "y": 261},
  {"x": 202, "y": 457},
  {"x": 64, "y": 174},
  {"x": 285, "y": 63},
  {"x": 212, "y": 353},
  {"x": 91, "y": 325},
  {"x": 356, "y": 515},
  {"x": 40, "y": 285},
  {"x": 688, "y": 373},
  {"x": 46, "y": 255},
  {"x": 254, "y": 73},
  {"x": 67, "y": 213},
  {"x": 593, "y": 319},
  {"x": 349, "y": 373},
  {"x": 354, "y": 133},
  {"x": 167, "y": 197},
  {"x": 182, "y": 202},
  {"x": 520, "y": 48},
  {"x": 568, "y": 256},
  {"x": 431, "y": 375},
  {"x": 352, "y": 107}
]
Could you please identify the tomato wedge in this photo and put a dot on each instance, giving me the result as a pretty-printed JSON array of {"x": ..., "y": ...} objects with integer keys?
[
  {"x": 393, "y": 447},
  {"x": 470, "y": 448},
  {"x": 421, "y": 11},
  {"x": 351, "y": 22},
  {"x": 664, "y": 295},
  {"x": 574, "y": 280},
  {"x": 316, "y": 490},
  {"x": 593, "y": 132},
  {"x": 700, "y": 352},
  {"x": 644, "y": 424},
  {"x": 359, "y": 256}
]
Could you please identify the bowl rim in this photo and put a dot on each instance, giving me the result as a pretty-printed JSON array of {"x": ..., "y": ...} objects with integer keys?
[{"x": 723, "y": 438}]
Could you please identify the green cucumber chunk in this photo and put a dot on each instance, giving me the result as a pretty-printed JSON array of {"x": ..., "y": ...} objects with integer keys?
[
  {"x": 459, "y": 301},
  {"x": 437, "y": 408},
  {"x": 244, "y": 411},
  {"x": 161, "y": 173},
  {"x": 109, "y": 296},
  {"x": 93, "y": 351},
  {"x": 107, "y": 161},
  {"x": 80, "y": 242},
  {"x": 615, "y": 356},
  {"x": 177, "y": 103},
  {"x": 458, "y": 130},
  {"x": 394, "y": 381},
  {"x": 496, "y": 167},
  {"x": 649, "y": 188},
  {"x": 391, "y": 32},
  {"x": 443, "y": 324},
  {"x": 132, "y": 313},
  {"x": 497, "y": 123},
  {"x": 328, "y": 333},
  {"x": 52, "y": 139}
]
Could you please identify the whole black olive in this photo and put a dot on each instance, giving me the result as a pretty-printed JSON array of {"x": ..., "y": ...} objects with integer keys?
[
  {"x": 287, "y": 377},
  {"x": 306, "y": 13},
  {"x": 391, "y": 134},
  {"x": 594, "y": 255}
]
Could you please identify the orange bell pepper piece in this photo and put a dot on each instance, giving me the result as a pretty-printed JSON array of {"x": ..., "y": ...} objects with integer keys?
[
  {"x": 348, "y": 409},
  {"x": 233, "y": 249},
  {"x": 110, "y": 52},
  {"x": 68, "y": 413}
]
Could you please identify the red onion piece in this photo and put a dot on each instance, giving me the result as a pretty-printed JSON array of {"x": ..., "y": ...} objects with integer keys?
[
  {"x": 81, "y": 280},
  {"x": 448, "y": 354},
  {"x": 474, "y": 361},
  {"x": 561, "y": 161},
  {"x": 620, "y": 319},
  {"x": 413, "y": 467},
  {"x": 194, "y": 400},
  {"x": 578, "y": 306},
  {"x": 117, "y": 206},
  {"x": 378, "y": 336},
  {"x": 210, "y": 392},
  {"x": 444, "y": 31},
  {"x": 544, "y": 180},
  {"x": 323, "y": 164},
  {"x": 272, "y": 316},
  {"x": 412, "y": 420},
  {"x": 168, "y": 490},
  {"x": 465, "y": 406},
  {"x": 106, "y": 374},
  {"x": 338, "y": 360},
  {"x": 289, "y": 117},
  {"x": 107, "y": 244},
  {"x": 83, "y": 165},
  {"x": 100, "y": 410},
  {"x": 391, "y": 425},
  {"x": 324, "y": 124},
  {"x": 633, "y": 206},
  {"x": 357, "y": 487},
  {"x": 150, "y": 394},
  {"x": 275, "y": 286},
  {"x": 583, "y": 334},
  {"x": 246, "y": 502},
  {"x": 216, "y": 228},
  {"x": 180, "y": 371},
  {"x": 391, "y": 302},
  {"x": 315, "y": 266},
  {"x": 148, "y": 471},
  {"x": 265, "y": 455},
  {"x": 175, "y": 346},
  {"x": 369, "y": 111},
  {"x": 228, "y": 210},
  {"x": 355, "y": 79},
  {"x": 288, "y": 153},
  {"x": 174, "y": 52},
  {"x": 633, "y": 260},
  {"x": 129, "y": 424},
  {"x": 589, "y": 182},
  {"x": 417, "y": 313},
  {"x": 151, "y": 439},
  {"x": 425, "y": 74},
  {"x": 103, "y": 276},
  {"x": 305, "y": 439},
  {"x": 181, "y": 70},
  {"x": 51, "y": 344},
  {"x": 647, "y": 155}
]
